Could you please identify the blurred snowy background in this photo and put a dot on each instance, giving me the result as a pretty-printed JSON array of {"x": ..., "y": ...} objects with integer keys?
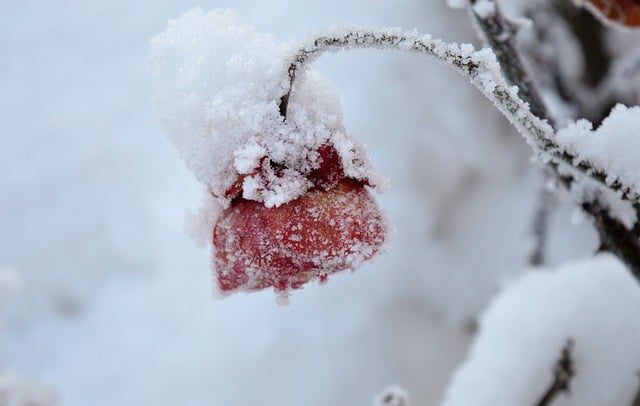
[{"x": 115, "y": 305}]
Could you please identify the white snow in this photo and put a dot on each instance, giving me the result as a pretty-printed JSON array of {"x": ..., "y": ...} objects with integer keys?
[
  {"x": 526, "y": 326},
  {"x": 613, "y": 147}
]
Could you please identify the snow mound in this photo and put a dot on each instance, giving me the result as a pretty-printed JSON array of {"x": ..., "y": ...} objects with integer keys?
[{"x": 526, "y": 327}]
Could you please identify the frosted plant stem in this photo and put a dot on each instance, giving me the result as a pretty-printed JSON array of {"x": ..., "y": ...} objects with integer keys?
[
  {"x": 563, "y": 373},
  {"x": 480, "y": 67},
  {"x": 500, "y": 33}
]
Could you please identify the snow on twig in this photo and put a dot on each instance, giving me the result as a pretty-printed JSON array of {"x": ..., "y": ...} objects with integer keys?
[{"x": 563, "y": 372}]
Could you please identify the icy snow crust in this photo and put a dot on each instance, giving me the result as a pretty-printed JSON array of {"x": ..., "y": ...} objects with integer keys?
[
  {"x": 524, "y": 330},
  {"x": 217, "y": 84},
  {"x": 613, "y": 148}
]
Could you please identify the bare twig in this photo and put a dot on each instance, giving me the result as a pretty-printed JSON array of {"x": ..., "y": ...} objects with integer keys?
[
  {"x": 540, "y": 225},
  {"x": 563, "y": 372}
]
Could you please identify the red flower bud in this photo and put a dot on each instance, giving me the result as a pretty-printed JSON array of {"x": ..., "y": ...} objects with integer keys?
[{"x": 321, "y": 232}]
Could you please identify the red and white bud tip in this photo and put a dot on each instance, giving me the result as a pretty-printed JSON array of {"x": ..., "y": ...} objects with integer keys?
[{"x": 334, "y": 226}]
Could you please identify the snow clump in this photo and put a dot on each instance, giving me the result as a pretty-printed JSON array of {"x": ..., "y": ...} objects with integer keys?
[
  {"x": 613, "y": 148},
  {"x": 592, "y": 303},
  {"x": 217, "y": 85}
]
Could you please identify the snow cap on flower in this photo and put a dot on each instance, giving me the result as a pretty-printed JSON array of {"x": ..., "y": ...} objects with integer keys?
[{"x": 217, "y": 84}]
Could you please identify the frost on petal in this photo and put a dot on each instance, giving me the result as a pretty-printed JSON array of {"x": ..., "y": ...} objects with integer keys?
[
  {"x": 614, "y": 147},
  {"x": 524, "y": 330},
  {"x": 284, "y": 247}
]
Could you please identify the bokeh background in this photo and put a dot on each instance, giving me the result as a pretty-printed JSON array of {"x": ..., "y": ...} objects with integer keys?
[{"x": 116, "y": 304}]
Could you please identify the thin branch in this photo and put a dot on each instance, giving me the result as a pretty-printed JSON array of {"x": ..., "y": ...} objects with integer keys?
[
  {"x": 540, "y": 225},
  {"x": 563, "y": 372},
  {"x": 499, "y": 33}
]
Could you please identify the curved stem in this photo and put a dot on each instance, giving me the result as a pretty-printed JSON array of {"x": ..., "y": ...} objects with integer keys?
[{"x": 481, "y": 67}]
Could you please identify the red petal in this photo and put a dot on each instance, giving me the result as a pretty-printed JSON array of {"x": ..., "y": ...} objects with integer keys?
[
  {"x": 330, "y": 171},
  {"x": 284, "y": 247}
]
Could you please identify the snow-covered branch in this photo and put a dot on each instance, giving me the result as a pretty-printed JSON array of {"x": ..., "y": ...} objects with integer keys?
[{"x": 499, "y": 33}]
